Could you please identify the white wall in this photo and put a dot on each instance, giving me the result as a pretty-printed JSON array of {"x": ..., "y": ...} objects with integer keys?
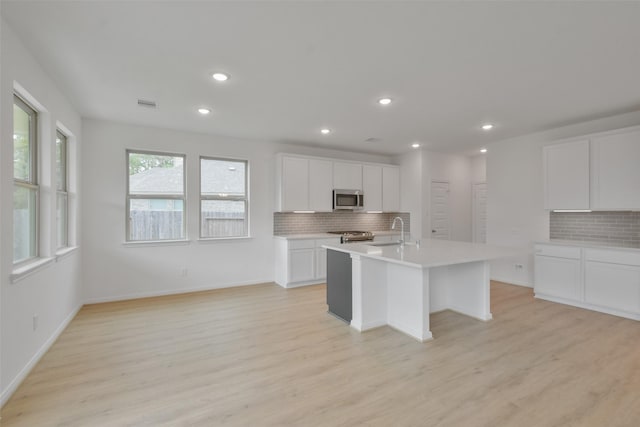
[
  {"x": 411, "y": 172},
  {"x": 479, "y": 168},
  {"x": 53, "y": 292},
  {"x": 113, "y": 270},
  {"x": 515, "y": 212}
]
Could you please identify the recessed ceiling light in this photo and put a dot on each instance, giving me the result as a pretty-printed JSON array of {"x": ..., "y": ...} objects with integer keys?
[
  {"x": 483, "y": 150},
  {"x": 487, "y": 126},
  {"x": 415, "y": 145},
  {"x": 231, "y": 168},
  {"x": 204, "y": 111},
  {"x": 384, "y": 101},
  {"x": 221, "y": 77},
  {"x": 325, "y": 131}
]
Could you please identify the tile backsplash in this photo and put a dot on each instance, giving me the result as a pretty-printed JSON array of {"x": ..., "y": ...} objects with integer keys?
[
  {"x": 295, "y": 223},
  {"x": 612, "y": 228}
]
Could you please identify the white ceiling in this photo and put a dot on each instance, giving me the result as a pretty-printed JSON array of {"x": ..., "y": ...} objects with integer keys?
[{"x": 299, "y": 66}]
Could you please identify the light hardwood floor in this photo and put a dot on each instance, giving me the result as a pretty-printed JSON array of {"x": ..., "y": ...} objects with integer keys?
[{"x": 265, "y": 356}]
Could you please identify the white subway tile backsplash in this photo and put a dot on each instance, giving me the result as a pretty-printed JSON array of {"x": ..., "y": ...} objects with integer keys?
[
  {"x": 292, "y": 223},
  {"x": 613, "y": 228}
]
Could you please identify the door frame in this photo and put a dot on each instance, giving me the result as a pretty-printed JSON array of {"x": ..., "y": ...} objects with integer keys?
[{"x": 441, "y": 181}]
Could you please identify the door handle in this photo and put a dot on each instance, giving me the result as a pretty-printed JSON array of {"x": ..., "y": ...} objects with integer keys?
[{"x": 433, "y": 231}]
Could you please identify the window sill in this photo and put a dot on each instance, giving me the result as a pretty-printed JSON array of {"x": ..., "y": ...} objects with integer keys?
[
  {"x": 26, "y": 270},
  {"x": 147, "y": 243},
  {"x": 65, "y": 252},
  {"x": 222, "y": 239}
]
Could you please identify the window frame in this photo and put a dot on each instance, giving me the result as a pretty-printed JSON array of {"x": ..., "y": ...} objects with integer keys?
[
  {"x": 64, "y": 160},
  {"x": 129, "y": 196},
  {"x": 246, "y": 198},
  {"x": 32, "y": 182}
]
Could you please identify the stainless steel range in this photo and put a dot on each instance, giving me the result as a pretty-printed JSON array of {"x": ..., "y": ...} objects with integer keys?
[{"x": 353, "y": 236}]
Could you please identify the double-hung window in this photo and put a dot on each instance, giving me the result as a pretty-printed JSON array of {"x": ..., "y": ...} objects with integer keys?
[
  {"x": 224, "y": 201},
  {"x": 155, "y": 196},
  {"x": 62, "y": 194},
  {"x": 25, "y": 182}
]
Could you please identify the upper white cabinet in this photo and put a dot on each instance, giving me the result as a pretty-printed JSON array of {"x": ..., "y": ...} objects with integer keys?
[
  {"x": 599, "y": 172},
  {"x": 566, "y": 175},
  {"x": 347, "y": 176},
  {"x": 306, "y": 183},
  {"x": 616, "y": 171},
  {"x": 390, "y": 189},
  {"x": 294, "y": 194},
  {"x": 372, "y": 187},
  {"x": 320, "y": 185}
]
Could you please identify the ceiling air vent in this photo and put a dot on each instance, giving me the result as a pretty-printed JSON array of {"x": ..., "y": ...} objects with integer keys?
[
  {"x": 145, "y": 103},
  {"x": 370, "y": 140}
]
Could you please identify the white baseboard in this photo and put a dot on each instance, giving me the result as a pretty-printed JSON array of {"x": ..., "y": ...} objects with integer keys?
[
  {"x": 510, "y": 281},
  {"x": 15, "y": 383},
  {"x": 138, "y": 295}
]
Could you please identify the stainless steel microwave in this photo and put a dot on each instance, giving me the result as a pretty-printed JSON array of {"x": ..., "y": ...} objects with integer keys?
[{"x": 351, "y": 200}]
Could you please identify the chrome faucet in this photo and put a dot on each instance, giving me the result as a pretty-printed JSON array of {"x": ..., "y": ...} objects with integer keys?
[{"x": 393, "y": 227}]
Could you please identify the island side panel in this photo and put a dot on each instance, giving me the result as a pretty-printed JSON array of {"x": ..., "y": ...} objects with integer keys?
[
  {"x": 468, "y": 289},
  {"x": 369, "y": 293},
  {"x": 408, "y": 300}
]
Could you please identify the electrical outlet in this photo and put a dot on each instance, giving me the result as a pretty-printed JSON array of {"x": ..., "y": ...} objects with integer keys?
[
  {"x": 35, "y": 322},
  {"x": 184, "y": 272}
]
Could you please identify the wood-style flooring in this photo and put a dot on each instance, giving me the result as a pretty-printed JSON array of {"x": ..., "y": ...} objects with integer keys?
[{"x": 266, "y": 356}]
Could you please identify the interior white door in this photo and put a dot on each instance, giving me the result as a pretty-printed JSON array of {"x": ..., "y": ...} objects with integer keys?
[
  {"x": 479, "y": 207},
  {"x": 440, "y": 211}
]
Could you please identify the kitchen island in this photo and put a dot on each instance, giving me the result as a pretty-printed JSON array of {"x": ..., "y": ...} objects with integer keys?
[{"x": 400, "y": 286}]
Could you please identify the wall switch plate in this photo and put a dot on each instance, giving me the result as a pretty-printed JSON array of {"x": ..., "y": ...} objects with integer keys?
[{"x": 35, "y": 322}]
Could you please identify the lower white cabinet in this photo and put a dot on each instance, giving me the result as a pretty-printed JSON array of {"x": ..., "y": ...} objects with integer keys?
[
  {"x": 301, "y": 262},
  {"x": 604, "y": 280}
]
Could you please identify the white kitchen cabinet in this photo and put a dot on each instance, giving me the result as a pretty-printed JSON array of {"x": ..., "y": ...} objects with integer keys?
[
  {"x": 305, "y": 184},
  {"x": 612, "y": 279},
  {"x": 301, "y": 262},
  {"x": 294, "y": 184},
  {"x": 557, "y": 272},
  {"x": 320, "y": 185},
  {"x": 347, "y": 176},
  {"x": 566, "y": 175},
  {"x": 372, "y": 187},
  {"x": 606, "y": 280},
  {"x": 390, "y": 189},
  {"x": 616, "y": 171}
]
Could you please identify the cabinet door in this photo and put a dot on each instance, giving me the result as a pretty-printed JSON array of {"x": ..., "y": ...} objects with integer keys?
[
  {"x": 390, "y": 189},
  {"x": 295, "y": 184},
  {"x": 613, "y": 286},
  {"x": 558, "y": 277},
  {"x": 566, "y": 172},
  {"x": 321, "y": 264},
  {"x": 616, "y": 171},
  {"x": 347, "y": 176},
  {"x": 320, "y": 185},
  {"x": 301, "y": 263},
  {"x": 372, "y": 187}
]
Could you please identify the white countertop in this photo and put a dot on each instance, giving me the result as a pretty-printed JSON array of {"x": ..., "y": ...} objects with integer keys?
[
  {"x": 581, "y": 244},
  {"x": 430, "y": 253},
  {"x": 328, "y": 235}
]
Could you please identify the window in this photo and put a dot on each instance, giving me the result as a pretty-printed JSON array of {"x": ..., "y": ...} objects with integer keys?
[
  {"x": 62, "y": 195},
  {"x": 25, "y": 182},
  {"x": 155, "y": 196},
  {"x": 224, "y": 204}
]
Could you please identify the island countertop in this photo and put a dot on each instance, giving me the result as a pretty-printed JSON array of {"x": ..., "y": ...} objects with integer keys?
[{"x": 430, "y": 252}]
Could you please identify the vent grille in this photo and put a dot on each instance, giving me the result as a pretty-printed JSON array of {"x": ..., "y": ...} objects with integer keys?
[{"x": 147, "y": 103}]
